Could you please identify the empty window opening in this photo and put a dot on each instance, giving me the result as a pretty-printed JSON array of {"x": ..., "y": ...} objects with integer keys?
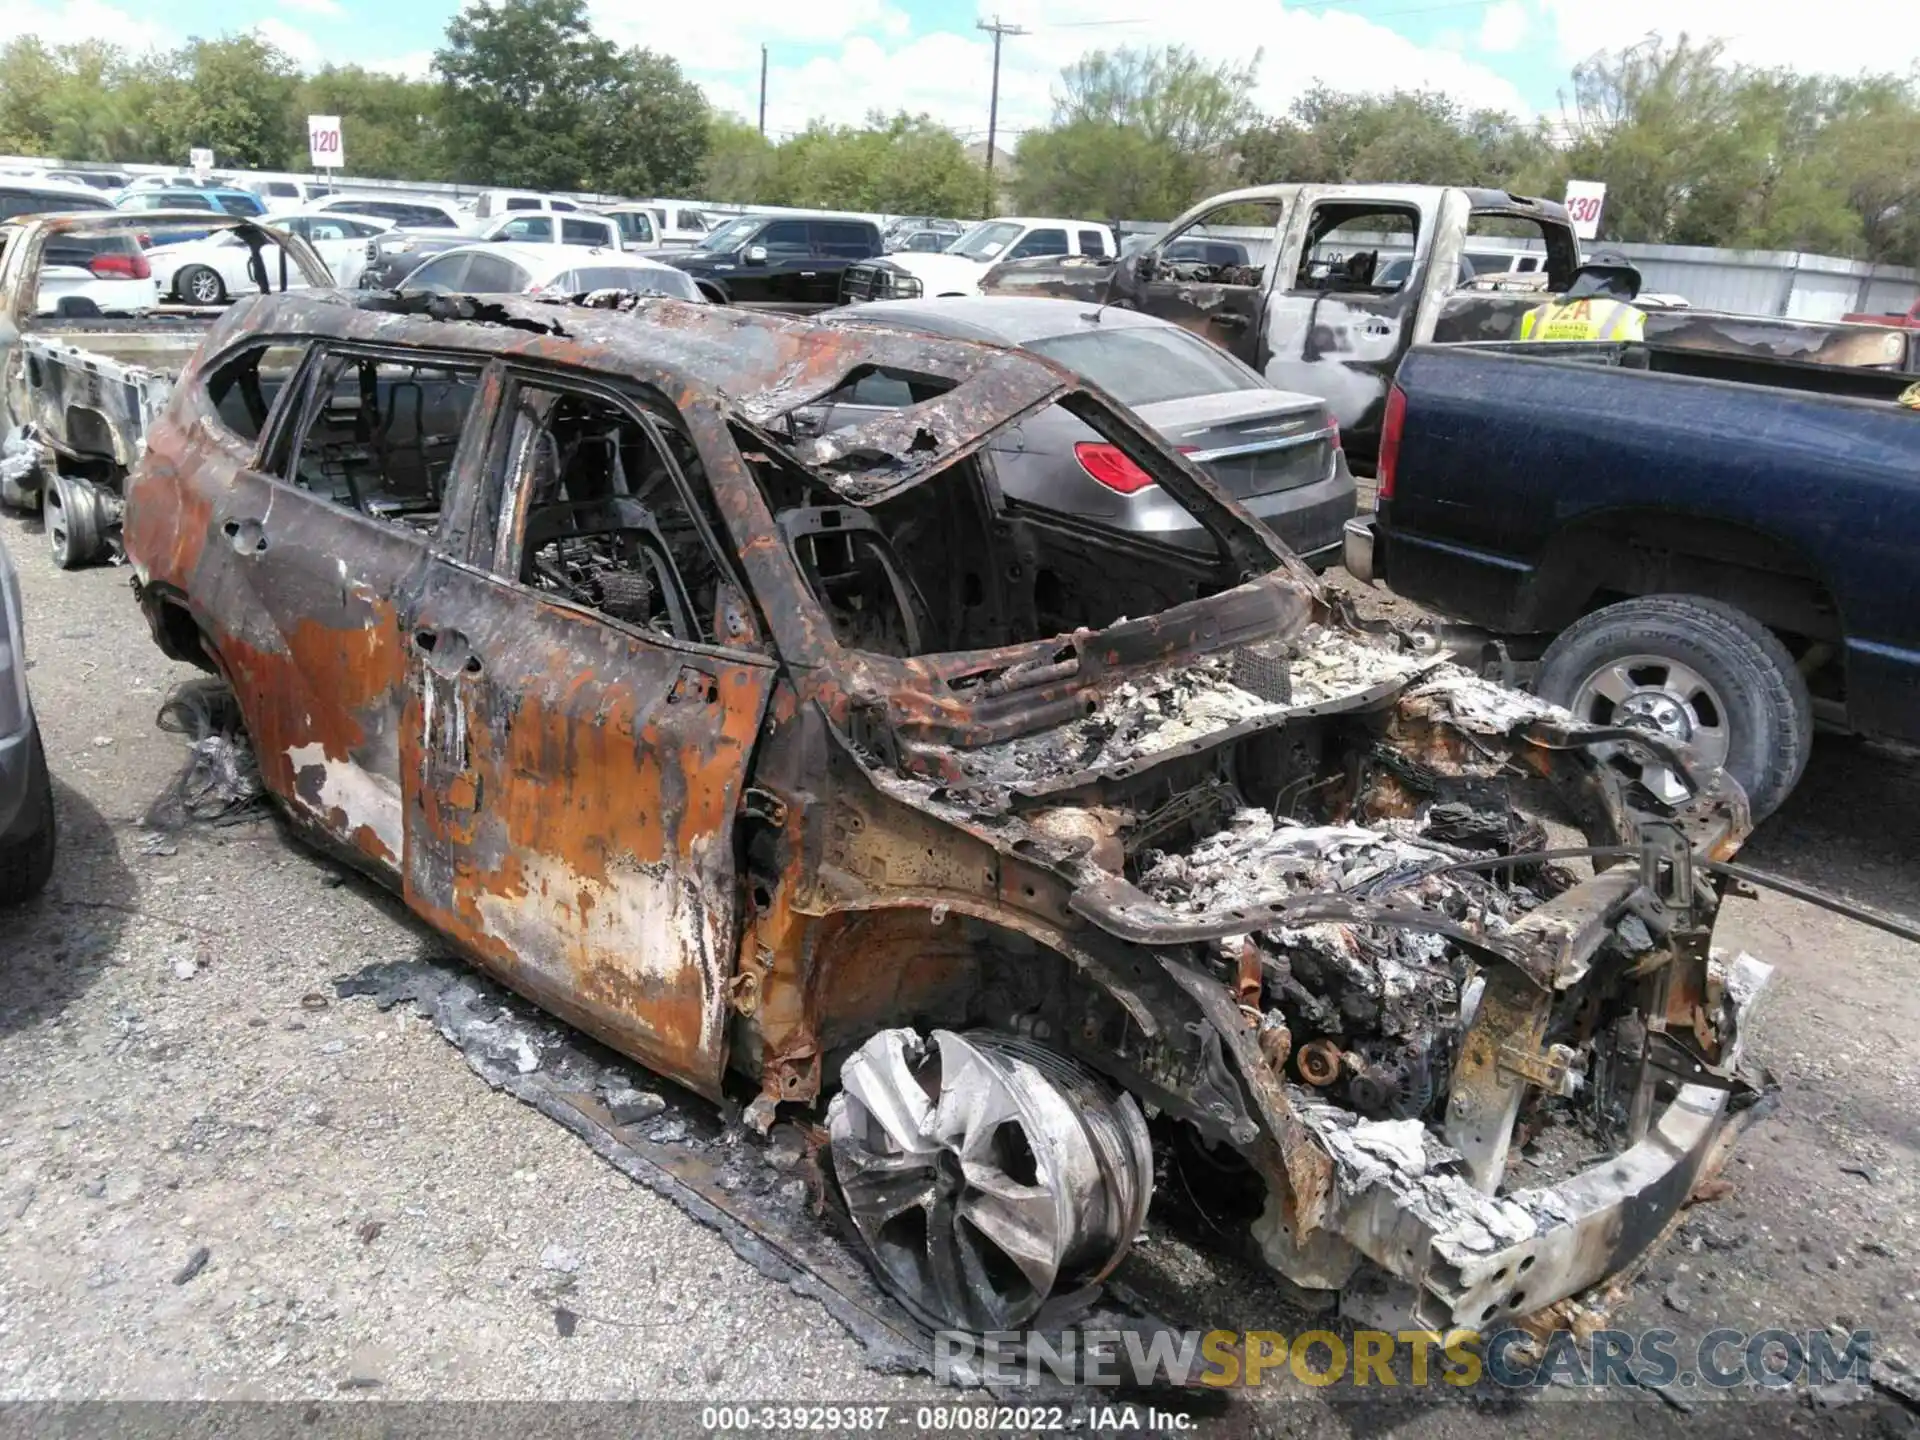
[
  {"x": 379, "y": 436},
  {"x": 597, "y": 516}
]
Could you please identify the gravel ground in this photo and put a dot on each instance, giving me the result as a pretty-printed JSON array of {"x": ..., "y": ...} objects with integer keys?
[{"x": 368, "y": 1218}]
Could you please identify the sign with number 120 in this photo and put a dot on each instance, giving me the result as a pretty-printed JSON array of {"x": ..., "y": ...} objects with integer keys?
[{"x": 323, "y": 142}]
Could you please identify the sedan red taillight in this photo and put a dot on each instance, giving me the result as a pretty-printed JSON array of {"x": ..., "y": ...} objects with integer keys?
[{"x": 114, "y": 266}]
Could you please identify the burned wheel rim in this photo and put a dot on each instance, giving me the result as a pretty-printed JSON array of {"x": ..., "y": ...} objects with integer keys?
[
  {"x": 70, "y": 515},
  {"x": 986, "y": 1174},
  {"x": 54, "y": 519},
  {"x": 1663, "y": 696}
]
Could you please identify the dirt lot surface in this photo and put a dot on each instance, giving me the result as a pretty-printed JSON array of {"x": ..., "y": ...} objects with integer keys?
[{"x": 220, "y": 1180}]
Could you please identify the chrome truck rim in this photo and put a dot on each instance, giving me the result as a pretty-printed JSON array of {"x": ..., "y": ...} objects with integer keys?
[
  {"x": 1663, "y": 696},
  {"x": 986, "y": 1173}
]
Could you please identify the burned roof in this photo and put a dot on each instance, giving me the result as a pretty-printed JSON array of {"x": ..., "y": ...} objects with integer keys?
[{"x": 759, "y": 366}]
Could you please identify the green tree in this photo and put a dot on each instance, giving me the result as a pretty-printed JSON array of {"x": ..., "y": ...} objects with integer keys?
[
  {"x": 30, "y": 84},
  {"x": 388, "y": 122},
  {"x": 1136, "y": 133},
  {"x": 903, "y": 165},
  {"x": 530, "y": 96},
  {"x": 1411, "y": 136},
  {"x": 740, "y": 163},
  {"x": 233, "y": 95},
  {"x": 518, "y": 80},
  {"x": 649, "y": 131}
]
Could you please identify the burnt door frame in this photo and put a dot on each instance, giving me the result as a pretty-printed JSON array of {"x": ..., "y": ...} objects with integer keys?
[
  {"x": 572, "y": 781},
  {"x": 1344, "y": 346},
  {"x": 314, "y": 649},
  {"x": 1228, "y": 316}
]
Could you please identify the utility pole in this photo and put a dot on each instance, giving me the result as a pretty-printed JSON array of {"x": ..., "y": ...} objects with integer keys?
[
  {"x": 763, "y": 92},
  {"x": 998, "y": 31}
]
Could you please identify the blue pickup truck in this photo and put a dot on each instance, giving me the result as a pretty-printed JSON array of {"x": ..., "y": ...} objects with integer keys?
[{"x": 1723, "y": 548}]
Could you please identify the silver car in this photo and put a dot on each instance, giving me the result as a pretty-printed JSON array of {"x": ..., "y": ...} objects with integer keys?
[
  {"x": 1275, "y": 451},
  {"x": 26, "y": 791}
]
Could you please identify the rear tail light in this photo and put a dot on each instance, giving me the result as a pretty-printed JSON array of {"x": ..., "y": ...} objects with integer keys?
[
  {"x": 113, "y": 266},
  {"x": 1109, "y": 465},
  {"x": 1333, "y": 433},
  {"x": 1390, "y": 428}
]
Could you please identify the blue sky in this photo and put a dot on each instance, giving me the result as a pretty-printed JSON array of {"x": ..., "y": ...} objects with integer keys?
[{"x": 836, "y": 59}]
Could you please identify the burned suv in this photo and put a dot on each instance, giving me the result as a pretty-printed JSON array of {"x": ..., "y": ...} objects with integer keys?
[{"x": 1027, "y": 852}]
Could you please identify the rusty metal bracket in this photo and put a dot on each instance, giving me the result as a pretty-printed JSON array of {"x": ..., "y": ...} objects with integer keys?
[
  {"x": 1550, "y": 1069},
  {"x": 1666, "y": 863},
  {"x": 1500, "y": 1056}
]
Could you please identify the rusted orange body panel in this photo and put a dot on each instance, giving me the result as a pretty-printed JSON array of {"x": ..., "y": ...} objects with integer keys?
[{"x": 956, "y": 764}]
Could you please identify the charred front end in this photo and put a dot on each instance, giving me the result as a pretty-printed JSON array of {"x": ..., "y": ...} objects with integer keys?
[{"x": 1379, "y": 949}]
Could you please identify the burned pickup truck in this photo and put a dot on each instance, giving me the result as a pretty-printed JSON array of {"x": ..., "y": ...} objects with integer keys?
[
  {"x": 88, "y": 354},
  {"x": 1033, "y": 856}
]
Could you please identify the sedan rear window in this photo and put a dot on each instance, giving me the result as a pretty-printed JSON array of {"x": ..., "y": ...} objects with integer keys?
[
  {"x": 1143, "y": 366},
  {"x": 664, "y": 281}
]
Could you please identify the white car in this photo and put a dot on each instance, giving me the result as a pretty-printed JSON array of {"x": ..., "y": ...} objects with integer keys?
[
  {"x": 957, "y": 269},
  {"x": 503, "y": 268},
  {"x": 287, "y": 192},
  {"x": 411, "y": 211},
  {"x": 492, "y": 204},
  {"x": 658, "y": 224},
  {"x": 212, "y": 270},
  {"x": 591, "y": 230}
]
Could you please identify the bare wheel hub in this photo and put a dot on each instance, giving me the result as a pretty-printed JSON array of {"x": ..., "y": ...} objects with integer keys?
[{"x": 986, "y": 1173}]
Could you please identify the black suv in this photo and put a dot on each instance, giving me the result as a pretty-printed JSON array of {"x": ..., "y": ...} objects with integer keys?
[{"x": 778, "y": 262}]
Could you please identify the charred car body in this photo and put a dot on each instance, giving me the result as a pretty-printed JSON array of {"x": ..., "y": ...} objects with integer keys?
[{"x": 817, "y": 767}]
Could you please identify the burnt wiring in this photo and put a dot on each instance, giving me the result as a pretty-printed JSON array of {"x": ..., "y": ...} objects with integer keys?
[{"x": 1895, "y": 925}]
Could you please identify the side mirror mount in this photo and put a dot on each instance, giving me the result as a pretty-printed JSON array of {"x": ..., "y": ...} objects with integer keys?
[{"x": 756, "y": 255}]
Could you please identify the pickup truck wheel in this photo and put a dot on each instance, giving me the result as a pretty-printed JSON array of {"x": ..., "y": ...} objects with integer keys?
[
  {"x": 1693, "y": 670},
  {"x": 986, "y": 1173},
  {"x": 27, "y": 860},
  {"x": 199, "y": 285},
  {"x": 70, "y": 515}
]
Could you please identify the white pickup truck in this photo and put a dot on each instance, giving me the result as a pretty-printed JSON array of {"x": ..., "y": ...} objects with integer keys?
[
  {"x": 84, "y": 367},
  {"x": 957, "y": 269}
]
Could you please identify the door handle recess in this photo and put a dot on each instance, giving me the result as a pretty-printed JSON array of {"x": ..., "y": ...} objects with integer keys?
[
  {"x": 245, "y": 535},
  {"x": 447, "y": 652}
]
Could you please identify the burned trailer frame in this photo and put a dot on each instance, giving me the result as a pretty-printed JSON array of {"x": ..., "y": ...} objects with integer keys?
[
  {"x": 786, "y": 849},
  {"x": 79, "y": 391}
]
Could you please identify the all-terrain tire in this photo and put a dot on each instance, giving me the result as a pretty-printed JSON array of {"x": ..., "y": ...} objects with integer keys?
[
  {"x": 1769, "y": 712},
  {"x": 27, "y": 860}
]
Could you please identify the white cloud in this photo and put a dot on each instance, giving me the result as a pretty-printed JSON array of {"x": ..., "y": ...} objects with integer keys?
[
  {"x": 948, "y": 73},
  {"x": 729, "y": 37},
  {"x": 297, "y": 43},
  {"x": 1503, "y": 27},
  {"x": 414, "y": 65},
  {"x": 329, "y": 9},
  {"x": 71, "y": 22},
  {"x": 1843, "y": 37}
]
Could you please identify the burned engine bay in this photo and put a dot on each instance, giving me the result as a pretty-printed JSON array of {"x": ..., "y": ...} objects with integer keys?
[{"x": 1397, "y": 974}]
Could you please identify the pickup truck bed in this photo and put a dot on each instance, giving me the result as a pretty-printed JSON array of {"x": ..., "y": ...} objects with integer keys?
[
  {"x": 1531, "y": 489},
  {"x": 77, "y": 392}
]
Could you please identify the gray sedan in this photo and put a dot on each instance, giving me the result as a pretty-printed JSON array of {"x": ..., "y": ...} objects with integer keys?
[
  {"x": 1275, "y": 451},
  {"x": 26, "y": 792}
]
